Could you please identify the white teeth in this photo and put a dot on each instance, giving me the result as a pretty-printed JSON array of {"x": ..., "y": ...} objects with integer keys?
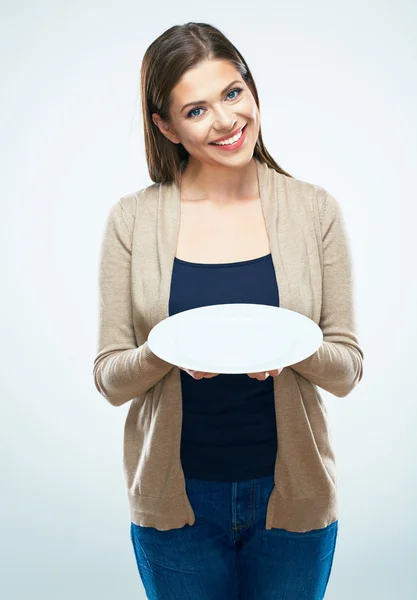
[{"x": 230, "y": 140}]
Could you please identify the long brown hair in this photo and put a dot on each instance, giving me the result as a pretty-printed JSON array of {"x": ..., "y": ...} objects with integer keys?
[{"x": 178, "y": 49}]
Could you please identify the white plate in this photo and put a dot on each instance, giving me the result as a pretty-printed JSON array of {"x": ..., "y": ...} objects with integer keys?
[{"x": 235, "y": 338}]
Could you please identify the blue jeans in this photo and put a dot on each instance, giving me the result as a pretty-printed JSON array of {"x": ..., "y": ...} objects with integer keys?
[{"x": 228, "y": 554}]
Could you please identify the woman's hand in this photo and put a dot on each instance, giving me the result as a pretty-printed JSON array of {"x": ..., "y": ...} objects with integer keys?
[
  {"x": 199, "y": 374},
  {"x": 260, "y": 376},
  {"x": 265, "y": 374}
]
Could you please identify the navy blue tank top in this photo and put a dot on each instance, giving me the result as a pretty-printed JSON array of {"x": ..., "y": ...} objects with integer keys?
[{"x": 229, "y": 430}]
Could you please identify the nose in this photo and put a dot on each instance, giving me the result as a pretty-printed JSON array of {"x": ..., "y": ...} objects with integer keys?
[{"x": 225, "y": 124}]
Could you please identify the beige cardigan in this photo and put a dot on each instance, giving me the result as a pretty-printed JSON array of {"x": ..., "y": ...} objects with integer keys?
[{"x": 312, "y": 262}]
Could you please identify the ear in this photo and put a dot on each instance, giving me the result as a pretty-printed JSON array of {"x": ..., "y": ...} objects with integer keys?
[{"x": 165, "y": 129}]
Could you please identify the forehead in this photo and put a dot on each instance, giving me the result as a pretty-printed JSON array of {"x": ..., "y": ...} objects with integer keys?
[{"x": 204, "y": 80}]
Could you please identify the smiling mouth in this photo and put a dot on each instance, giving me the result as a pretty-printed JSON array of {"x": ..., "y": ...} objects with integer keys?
[{"x": 229, "y": 143}]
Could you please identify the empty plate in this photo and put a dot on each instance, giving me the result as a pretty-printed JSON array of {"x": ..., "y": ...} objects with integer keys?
[{"x": 235, "y": 338}]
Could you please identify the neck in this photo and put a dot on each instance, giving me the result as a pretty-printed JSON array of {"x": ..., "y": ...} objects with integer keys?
[{"x": 222, "y": 185}]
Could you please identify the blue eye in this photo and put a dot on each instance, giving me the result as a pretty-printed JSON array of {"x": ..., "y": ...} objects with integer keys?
[{"x": 191, "y": 116}]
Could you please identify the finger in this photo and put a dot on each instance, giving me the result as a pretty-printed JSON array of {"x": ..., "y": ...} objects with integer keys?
[
  {"x": 198, "y": 374},
  {"x": 275, "y": 372},
  {"x": 265, "y": 374},
  {"x": 189, "y": 372},
  {"x": 203, "y": 375},
  {"x": 260, "y": 376}
]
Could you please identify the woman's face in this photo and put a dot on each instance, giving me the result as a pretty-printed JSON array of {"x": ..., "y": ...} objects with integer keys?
[{"x": 227, "y": 105}]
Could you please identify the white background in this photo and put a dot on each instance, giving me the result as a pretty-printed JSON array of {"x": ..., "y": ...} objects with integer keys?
[{"x": 337, "y": 85}]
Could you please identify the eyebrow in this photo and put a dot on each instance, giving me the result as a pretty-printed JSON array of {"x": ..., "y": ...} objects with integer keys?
[{"x": 204, "y": 101}]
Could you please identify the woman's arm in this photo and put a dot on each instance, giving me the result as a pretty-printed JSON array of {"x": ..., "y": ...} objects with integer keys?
[
  {"x": 337, "y": 365},
  {"x": 122, "y": 370}
]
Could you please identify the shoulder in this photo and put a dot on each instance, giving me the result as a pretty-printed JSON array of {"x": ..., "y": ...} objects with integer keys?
[
  {"x": 129, "y": 203},
  {"x": 292, "y": 191},
  {"x": 325, "y": 209},
  {"x": 126, "y": 209},
  {"x": 307, "y": 202},
  {"x": 306, "y": 193}
]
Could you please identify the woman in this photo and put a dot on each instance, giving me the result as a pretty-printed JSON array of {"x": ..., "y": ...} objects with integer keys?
[{"x": 231, "y": 479}]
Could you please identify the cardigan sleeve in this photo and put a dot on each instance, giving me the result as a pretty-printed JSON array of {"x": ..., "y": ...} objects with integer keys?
[
  {"x": 122, "y": 370},
  {"x": 337, "y": 366}
]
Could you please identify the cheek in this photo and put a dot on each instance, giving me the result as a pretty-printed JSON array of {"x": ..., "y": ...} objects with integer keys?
[
  {"x": 255, "y": 124},
  {"x": 253, "y": 112},
  {"x": 197, "y": 137},
  {"x": 195, "y": 140}
]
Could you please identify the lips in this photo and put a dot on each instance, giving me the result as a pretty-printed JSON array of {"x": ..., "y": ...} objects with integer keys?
[{"x": 227, "y": 137}]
